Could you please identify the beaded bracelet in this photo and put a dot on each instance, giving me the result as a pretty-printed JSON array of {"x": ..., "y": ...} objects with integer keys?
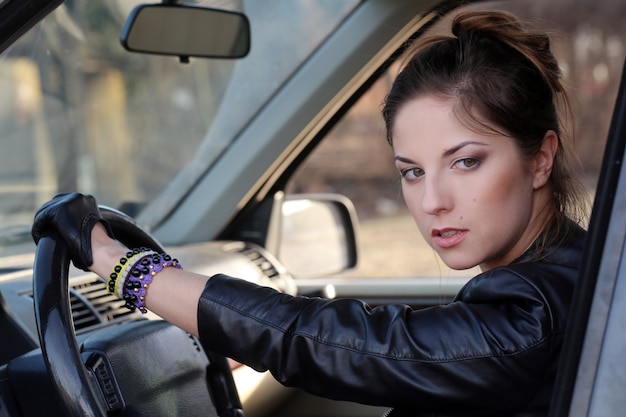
[
  {"x": 141, "y": 276},
  {"x": 138, "y": 268},
  {"x": 118, "y": 288},
  {"x": 121, "y": 268}
]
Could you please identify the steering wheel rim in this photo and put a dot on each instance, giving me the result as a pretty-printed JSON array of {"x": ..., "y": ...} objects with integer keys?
[
  {"x": 56, "y": 329},
  {"x": 53, "y": 315}
]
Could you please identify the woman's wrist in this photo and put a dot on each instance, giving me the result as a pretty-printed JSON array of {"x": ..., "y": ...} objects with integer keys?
[
  {"x": 105, "y": 251},
  {"x": 128, "y": 272},
  {"x": 133, "y": 273}
]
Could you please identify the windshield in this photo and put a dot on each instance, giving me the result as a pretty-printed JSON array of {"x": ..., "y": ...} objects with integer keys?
[{"x": 80, "y": 113}]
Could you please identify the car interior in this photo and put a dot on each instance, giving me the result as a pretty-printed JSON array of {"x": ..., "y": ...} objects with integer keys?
[{"x": 71, "y": 348}]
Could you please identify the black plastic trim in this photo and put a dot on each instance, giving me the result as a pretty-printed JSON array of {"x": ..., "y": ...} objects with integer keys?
[{"x": 17, "y": 17}]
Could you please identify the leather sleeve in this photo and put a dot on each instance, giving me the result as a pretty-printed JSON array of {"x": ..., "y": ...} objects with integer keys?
[{"x": 492, "y": 348}]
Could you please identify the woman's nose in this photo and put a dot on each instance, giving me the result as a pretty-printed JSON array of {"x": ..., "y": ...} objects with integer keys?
[{"x": 435, "y": 197}]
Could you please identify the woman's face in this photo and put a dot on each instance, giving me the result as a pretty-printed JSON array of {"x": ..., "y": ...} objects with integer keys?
[{"x": 471, "y": 194}]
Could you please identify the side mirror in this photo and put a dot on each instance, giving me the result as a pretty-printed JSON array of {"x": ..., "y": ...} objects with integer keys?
[
  {"x": 186, "y": 31},
  {"x": 318, "y": 235}
]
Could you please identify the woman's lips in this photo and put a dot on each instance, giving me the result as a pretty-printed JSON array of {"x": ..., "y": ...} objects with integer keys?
[{"x": 447, "y": 238}]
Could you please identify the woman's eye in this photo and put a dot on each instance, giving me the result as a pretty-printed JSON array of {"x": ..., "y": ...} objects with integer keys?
[
  {"x": 466, "y": 163},
  {"x": 412, "y": 173}
]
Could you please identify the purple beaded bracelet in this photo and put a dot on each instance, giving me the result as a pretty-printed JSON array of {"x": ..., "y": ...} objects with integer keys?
[
  {"x": 121, "y": 268},
  {"x": 134, "y": 282}
]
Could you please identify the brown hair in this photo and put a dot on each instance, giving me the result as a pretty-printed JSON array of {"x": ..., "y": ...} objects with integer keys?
[{"x": 502, "y": 77}]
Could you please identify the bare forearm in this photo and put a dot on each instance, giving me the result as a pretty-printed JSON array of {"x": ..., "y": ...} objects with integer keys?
[{"x": 173, "y": 294}]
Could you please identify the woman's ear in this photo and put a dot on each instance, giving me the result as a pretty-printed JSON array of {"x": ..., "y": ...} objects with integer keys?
[{"x": 544, "y": 159}]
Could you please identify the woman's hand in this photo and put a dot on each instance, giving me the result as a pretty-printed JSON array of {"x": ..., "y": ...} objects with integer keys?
[{"x": 73, "y": 217}]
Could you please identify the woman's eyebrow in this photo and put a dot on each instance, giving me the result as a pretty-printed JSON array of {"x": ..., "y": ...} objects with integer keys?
[
  {"x": 446, "y": 152},
  {"x": 403, "y": 159},
  {"x": 461, "y": 145}
]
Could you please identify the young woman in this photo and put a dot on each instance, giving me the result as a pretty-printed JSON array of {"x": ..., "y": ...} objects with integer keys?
[{"x": 473, "y": 122}]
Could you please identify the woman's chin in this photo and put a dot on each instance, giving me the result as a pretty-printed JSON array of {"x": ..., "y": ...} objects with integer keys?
[{"x": 458, "y": 264}]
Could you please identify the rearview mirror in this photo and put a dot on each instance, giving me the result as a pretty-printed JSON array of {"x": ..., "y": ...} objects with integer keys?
[{"x": 186, "y": 31}]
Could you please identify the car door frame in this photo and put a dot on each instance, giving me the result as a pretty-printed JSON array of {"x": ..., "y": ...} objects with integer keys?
[{"x": 588, "y": 384}]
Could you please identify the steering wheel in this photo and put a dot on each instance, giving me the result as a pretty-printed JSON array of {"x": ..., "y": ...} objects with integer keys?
[{"x": 136, "y": 368}]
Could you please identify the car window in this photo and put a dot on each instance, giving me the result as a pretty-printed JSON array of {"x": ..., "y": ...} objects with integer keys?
[
  {"x": 79, "y": 113},
  {"x": 356, "y": 161}
]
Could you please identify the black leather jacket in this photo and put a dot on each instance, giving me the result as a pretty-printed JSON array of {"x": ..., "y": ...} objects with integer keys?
[{"x": 492, "y": 351}]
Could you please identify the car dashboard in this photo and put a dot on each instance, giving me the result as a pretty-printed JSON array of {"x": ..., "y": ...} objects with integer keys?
[{"x": 94, "y": 308}]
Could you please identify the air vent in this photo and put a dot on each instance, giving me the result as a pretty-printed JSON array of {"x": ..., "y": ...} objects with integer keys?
[
  {"x": 261, "y": 262},
  {"x": 255, "y": 255},
  {"x": 93, "y": 306}
]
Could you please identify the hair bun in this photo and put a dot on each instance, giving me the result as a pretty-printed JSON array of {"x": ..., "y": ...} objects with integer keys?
[
  {"x": 501, "y": 26},
  {"x": 478, "y": 21},
  {"x": 506, "y": 28}
]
